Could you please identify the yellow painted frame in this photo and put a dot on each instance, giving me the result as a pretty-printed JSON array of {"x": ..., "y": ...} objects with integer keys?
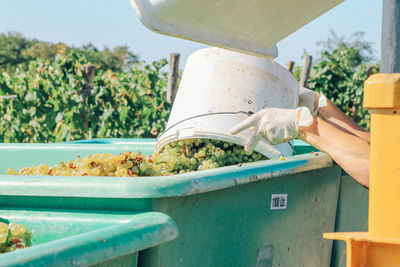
[{"x": 380, "y": 246}]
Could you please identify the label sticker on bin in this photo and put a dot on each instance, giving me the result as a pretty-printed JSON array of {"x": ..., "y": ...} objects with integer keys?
[{"x": 278, "y": 201}]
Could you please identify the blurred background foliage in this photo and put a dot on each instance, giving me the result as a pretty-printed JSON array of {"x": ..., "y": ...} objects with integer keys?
[{"x": 47, "y": 96}]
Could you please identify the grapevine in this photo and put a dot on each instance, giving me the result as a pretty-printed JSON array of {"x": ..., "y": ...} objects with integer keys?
[{"x": 48, "y": 102}]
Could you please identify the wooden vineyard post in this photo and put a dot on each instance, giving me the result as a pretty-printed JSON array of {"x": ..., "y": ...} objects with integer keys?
[
  {"x": 88, "y": 77},
  {"x": 305, "y": 72},
  {"x": 290, "y": 66},
  {"x": 173, "y": 76}
]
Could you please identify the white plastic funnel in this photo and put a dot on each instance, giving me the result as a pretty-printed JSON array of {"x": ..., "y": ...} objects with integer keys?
[
  {"x": 253, "y": 26},
  {"x": 218, "y": 88}
]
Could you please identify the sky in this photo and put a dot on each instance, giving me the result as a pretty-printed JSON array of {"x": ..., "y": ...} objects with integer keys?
[{"x": 114, "y": 22}]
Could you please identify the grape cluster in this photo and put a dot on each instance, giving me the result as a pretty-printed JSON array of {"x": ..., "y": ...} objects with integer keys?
[
  {"x": 200, "y": 154},
  {"x": 126, "y": 164},
  {"x": 14, "y": 236},
  {"x": 177, "y": 157}
]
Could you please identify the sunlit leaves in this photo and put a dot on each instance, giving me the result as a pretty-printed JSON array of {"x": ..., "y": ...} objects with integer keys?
[{"x": 48, "y": 106}]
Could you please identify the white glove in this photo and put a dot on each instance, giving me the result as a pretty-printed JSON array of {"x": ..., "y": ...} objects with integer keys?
[
  {"x": 274, "y": 124},
  {"x": 307, "y": 99}
]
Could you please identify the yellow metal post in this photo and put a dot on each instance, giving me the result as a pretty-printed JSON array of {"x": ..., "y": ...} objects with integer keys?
[{"x": 380, "y": 246}]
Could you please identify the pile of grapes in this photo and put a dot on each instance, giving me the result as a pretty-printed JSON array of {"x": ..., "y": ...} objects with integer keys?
[
  {"x": 13, "y": 236},
  {"x": 200, "y": 154},
  {"x": 105, "y": 164},
  {"x": 175, "y": 158}
]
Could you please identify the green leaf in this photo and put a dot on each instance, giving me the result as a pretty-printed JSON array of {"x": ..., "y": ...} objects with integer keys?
[{"x": 124, "y": 113}]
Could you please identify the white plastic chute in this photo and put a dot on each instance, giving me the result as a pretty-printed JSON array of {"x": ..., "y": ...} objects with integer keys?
[{"x": 251, "y": 26}]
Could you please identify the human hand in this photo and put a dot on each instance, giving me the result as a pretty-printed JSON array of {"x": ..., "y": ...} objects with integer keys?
[
  {"x": 275, "y": 125},
  {"x": 308, "y": 97}
]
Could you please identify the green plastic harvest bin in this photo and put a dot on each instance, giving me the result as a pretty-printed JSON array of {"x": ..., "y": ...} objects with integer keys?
[
  {"x": 352, "y": 209},
  {"x": 352, "y": 215},
  {"x": 77, "y": 238},
  {"x": 268, "y": 213}
]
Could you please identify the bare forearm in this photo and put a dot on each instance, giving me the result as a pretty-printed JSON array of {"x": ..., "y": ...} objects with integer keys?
[
  {"x": 337, "y": 118},
  {"x": 347, "y": 150}
]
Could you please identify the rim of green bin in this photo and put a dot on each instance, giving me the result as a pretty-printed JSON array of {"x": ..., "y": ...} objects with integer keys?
[
  {"x": 140, "y": 231},
  {"x": 160, "y": 186}
]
